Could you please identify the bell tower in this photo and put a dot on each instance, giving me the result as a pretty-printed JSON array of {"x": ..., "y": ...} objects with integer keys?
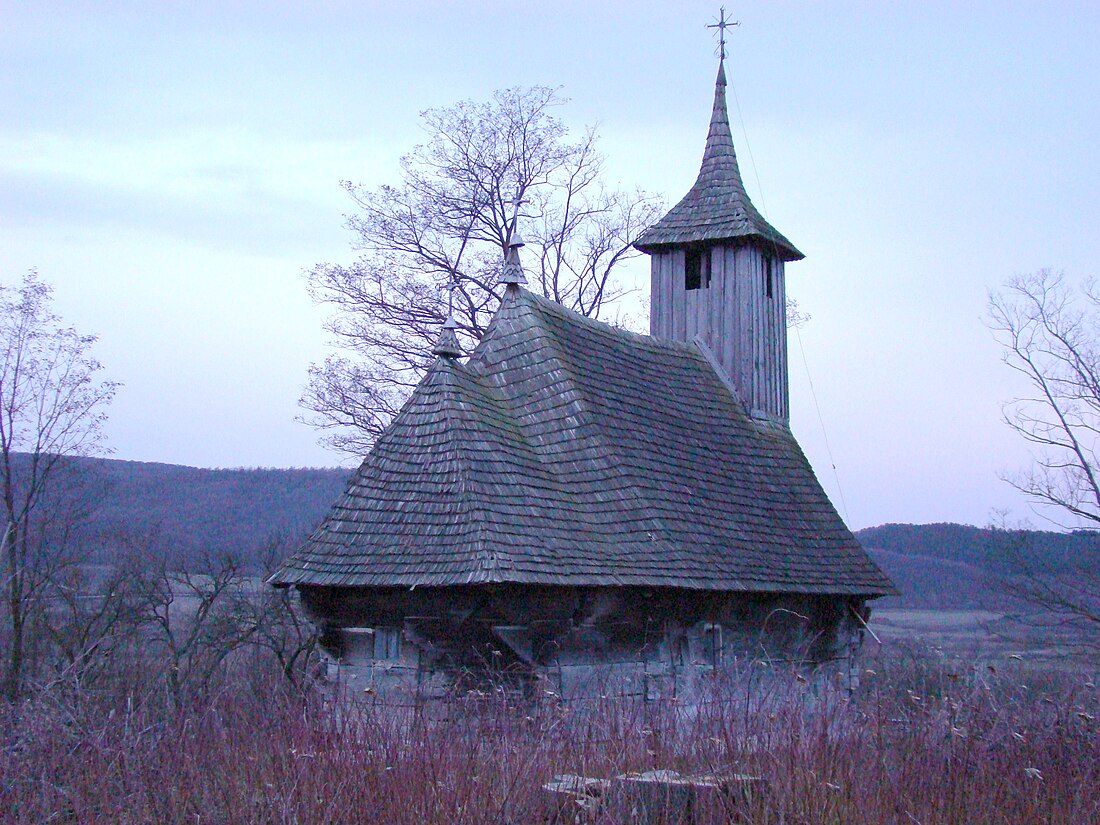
[{"x": 717, "y": 273}]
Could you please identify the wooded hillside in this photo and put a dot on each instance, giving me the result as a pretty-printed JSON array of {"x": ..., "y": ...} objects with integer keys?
[
  {"x": 956, "y": 566},
  {"x": 185, "y": 513}
]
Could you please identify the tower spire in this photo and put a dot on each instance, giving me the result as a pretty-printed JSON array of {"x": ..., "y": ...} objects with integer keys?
[
  {"x": 717, "y": 208},
  {"x": 719, "y": 156},
  {"x": 717, "y": 269}
]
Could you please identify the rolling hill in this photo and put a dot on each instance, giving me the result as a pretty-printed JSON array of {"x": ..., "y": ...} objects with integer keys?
[
  {"x": 956, "y": 566},
  {"x": 184, "y": 513}
]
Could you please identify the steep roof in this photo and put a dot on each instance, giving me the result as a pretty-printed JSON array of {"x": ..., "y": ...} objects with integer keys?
[
  {"x": 568, "y": 452},
  {"x": 717, "y": 208}
]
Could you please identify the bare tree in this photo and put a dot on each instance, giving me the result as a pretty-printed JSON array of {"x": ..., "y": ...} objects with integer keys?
[
  {"x": 435, "y": 241},
  {"x": 52, "y": 407},
  {"x": 283, "y": 630},
  {"x": 1050, "y": 332},
  {"x": 195, "y": 620},
  {"x": 93, "y": 621},
  {"x": 285, "y": 633}
]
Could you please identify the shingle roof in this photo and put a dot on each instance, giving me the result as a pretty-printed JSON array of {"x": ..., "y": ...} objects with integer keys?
[
  {"x": 717, "y": 208},
  {"x": 568, "y": 452}
]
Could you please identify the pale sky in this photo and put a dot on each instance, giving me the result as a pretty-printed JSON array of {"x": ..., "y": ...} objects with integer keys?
[{"x": 172, "y": 168}]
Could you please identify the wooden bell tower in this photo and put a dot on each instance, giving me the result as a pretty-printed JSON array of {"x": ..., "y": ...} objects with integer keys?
[{"x": 717, "y": 273}]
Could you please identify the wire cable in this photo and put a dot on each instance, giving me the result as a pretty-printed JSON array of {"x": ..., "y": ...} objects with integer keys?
[
  {"x": 821, "y": 421},
  {"x": 797, "y": 332}
]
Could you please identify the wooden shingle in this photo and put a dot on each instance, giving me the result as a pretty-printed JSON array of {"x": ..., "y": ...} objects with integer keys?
[{"x": 568, "y": 452}]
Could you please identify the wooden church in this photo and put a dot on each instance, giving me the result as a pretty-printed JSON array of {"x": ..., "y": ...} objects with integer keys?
[{"x": 578, "y": 506}]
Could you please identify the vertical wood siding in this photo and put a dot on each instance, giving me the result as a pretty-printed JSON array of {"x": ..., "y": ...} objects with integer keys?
[{"x": 744, "y": 328}]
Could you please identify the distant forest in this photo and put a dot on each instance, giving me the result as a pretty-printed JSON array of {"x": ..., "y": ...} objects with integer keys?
[
  {"x": 955, "y": 566},
  {"x": 186, "y": 514}
]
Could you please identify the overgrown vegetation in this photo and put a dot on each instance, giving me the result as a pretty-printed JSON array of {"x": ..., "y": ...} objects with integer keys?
[{"x": 925, "y": 739}]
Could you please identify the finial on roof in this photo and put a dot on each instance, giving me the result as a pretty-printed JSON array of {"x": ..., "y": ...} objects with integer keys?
[
  {"x": 447, "y": 344},
  {"x": 514, "y": 238},
  {"x": 513, "y": 270},
  {"x": 722, "y": 25}
]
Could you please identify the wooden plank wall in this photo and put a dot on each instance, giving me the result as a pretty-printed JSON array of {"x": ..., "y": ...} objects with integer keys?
[{"x": 744, "y": 328}]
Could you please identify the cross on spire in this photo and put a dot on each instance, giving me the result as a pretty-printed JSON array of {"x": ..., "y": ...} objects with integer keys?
[{"x": 722, "y": 25}]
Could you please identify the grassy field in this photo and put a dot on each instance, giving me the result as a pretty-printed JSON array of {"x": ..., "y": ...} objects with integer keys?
[
  {"x": 952, "y": 631},
  {"x": 972, "y": 635},
  {"x": 951, "y": 724}
]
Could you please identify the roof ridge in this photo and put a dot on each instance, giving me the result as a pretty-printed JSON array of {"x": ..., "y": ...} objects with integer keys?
[
  {"x": 496, "y": 563},
  {"x": 642, "y": 338},
  {"x": 477, "y": 353}
]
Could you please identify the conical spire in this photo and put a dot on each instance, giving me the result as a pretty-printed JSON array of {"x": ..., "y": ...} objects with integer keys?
[
  {"x": 719, "y": 156},
  {"x": 717, "y": 208},
  {"x": 447, "y": 344}
]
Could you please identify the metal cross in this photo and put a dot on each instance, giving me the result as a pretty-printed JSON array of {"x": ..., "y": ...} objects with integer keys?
[{"x": 722, "y": 25}]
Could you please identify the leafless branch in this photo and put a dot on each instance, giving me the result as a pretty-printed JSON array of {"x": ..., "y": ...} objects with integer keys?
[
  {"x": 438, "y": 237},
  {"x": 1049, "y": 331},
  {"x": 52, "y": 407}
]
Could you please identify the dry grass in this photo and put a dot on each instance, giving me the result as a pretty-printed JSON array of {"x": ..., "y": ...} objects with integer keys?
[{"x": 926, "y": 740}]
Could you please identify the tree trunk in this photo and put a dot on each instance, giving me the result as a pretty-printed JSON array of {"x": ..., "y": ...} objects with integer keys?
[{"x": 13, "y": 679}]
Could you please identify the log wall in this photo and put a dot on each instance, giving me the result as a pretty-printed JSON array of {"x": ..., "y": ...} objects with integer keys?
[{"x": 574, "y": 641}]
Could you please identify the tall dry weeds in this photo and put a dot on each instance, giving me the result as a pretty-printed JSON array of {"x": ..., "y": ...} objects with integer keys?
[{"x": 924, "y": 740}]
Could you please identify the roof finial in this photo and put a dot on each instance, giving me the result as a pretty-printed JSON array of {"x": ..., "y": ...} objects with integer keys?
[
  {"x": 722, "y": 25},
  {"x": 513, "y": 270},
  {"x": 447, "y": 344}
]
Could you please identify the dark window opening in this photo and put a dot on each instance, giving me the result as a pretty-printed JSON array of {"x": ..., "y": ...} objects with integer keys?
[
  {"x": 331, "y": 642},
  {"x": 693, "y": 269},
  {"x": 768, "y": 275},
  {"x": 696, "y": 268}
]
